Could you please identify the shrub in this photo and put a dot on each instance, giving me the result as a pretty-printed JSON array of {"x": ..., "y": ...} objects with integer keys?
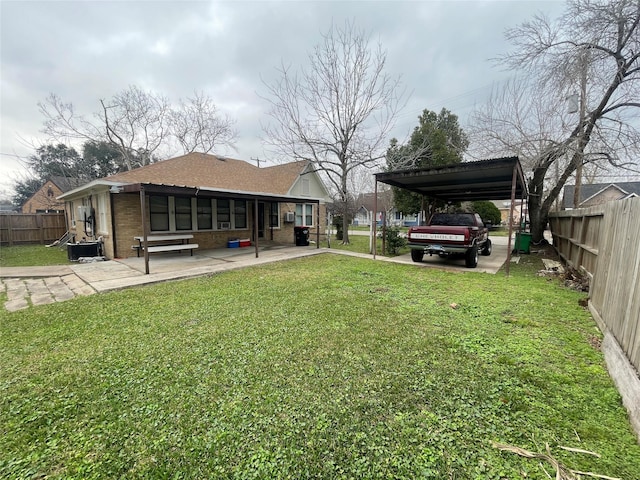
[
  {"x": 488, "y": 212},
  {"x": 393, "y": 241}
]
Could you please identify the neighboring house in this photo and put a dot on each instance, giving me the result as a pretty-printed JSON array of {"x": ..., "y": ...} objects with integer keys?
[
  {"x": 598, "y": 193},
  {"x": 518, "y": 212},
  {"x": 365, "y": 207},
  {"x": 214, "y": 198},
  {"x": 45, "y": 200}
]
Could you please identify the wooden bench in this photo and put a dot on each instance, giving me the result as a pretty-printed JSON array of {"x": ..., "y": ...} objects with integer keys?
[
  {"x": 176, "y": 247},
  {"x": 160, "y": 244}
]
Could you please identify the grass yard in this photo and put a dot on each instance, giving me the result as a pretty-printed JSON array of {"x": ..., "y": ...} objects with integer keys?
[
  {"x": 29, "y": 255},
  {"x": 323, "y": 367}
]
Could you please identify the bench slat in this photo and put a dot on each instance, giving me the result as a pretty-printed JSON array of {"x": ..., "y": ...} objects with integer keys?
[{"x": 169, "y": 248}]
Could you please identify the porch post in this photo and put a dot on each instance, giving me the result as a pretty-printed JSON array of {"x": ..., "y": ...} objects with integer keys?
[
  {"x": 255, "y": 224},
  {"x": 145, "y": 231},
  {"x": 318, "y": 225}
]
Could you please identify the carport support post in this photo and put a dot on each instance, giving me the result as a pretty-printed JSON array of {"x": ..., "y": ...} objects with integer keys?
[
  {"x": 145, "y": 230},
  {"x": 511, "y": 208},
  {"x": 374, "y": 219}
]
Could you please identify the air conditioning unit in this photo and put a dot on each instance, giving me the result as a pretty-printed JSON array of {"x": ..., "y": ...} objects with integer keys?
[
  {"x": 224, "y": 225},
  {"x": 290, "y": 217}
]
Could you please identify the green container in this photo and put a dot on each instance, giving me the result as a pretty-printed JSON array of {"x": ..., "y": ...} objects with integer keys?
[{"x": 523, "y": 242}]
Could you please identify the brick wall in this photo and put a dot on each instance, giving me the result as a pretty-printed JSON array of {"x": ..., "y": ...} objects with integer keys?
[{"x": 129, "y": 225}]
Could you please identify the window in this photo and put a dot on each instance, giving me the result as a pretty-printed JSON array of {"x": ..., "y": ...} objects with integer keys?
[
  {"x": 101, "y": 213},
  {"x": 304, "y": 214},
  {"x": 274, "y": 215},
  {"x": 205, "y": 214},
  {"x": 240, "y": 213},
  {"x": 223, "y": 212},
  {"x": 159, "y": 213},
  {"x": 183, "y": 213}
]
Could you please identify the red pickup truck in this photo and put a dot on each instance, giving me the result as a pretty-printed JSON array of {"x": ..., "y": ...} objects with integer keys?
[{"x": 449, "y": 234}]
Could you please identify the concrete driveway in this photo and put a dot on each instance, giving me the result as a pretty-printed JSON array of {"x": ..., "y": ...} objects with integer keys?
[{"x": 490, "y": 264}]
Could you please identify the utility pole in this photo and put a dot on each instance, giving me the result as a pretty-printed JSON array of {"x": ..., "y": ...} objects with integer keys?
[{"x": 257, "y": 160}]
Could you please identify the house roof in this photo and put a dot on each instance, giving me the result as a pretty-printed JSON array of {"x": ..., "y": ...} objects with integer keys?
[
  {"x": 207, "y": 175},
  {"x": 491, "y": 179},
  {"x": 66, "y": 183},
  {"x": 199, "y": 170},
  {"x": 590, "y": 190},
  {"x": 367, "y": 200}
]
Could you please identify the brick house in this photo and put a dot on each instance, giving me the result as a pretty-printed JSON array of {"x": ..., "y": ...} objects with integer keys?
[
  {"x": 213, "y": 198},
  {"x": 46, "y": 200}
]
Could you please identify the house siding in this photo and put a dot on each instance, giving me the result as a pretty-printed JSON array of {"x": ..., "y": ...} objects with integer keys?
[{"x": 45, "y": 199}]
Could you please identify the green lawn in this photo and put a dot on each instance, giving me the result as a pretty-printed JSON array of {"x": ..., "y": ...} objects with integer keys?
[
  {"x": 28, "y": 255},
  {"x": 323, "y": 367}
]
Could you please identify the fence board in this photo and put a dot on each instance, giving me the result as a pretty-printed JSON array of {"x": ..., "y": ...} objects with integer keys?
[
  {"x": 604, "y": 241},
  {"x": 42, "y": 228}
]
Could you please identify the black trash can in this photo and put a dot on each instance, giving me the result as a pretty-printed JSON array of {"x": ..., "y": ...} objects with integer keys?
[{"x": 301, "y": 236}]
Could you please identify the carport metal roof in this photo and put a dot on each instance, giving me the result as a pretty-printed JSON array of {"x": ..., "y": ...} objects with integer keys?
[{"x": 492, "y": 179}]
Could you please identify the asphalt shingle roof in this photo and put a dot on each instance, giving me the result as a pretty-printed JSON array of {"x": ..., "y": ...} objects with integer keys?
[
  {"x": 589, "y": 190},
  {"x": 210, "y": 171}
]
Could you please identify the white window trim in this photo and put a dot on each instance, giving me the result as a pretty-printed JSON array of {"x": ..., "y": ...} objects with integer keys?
[{"x": 304, "y": 214}]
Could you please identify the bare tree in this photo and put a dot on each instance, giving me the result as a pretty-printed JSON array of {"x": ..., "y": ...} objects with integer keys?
[
  {"x": 197, "y": 125},
  {"x": 337, "y": 112},
  {"x": 141, "y": 125},
  {"x": 593, "y": 50}
]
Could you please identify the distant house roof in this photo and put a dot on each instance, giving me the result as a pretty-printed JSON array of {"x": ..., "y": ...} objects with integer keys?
[
  {"x": 588, "y": 191},
  {"x": 366, "y": 200},
  {"x": 67, "y": 183}
]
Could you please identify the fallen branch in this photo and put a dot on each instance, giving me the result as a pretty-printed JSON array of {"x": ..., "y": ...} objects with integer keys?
[{"x": 562, "y": 472}]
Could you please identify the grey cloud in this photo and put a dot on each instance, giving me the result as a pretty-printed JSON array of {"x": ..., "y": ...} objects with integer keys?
[{"x": 84, "y": 51}]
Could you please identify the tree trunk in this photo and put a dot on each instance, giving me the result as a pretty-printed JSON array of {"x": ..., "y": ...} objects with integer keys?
[
  {"x": 538, "y": 213},
  {"x": 345, "y": 207}
]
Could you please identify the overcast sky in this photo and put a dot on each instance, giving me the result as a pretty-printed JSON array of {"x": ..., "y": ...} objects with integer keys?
[{"x": 87, "y": 50}]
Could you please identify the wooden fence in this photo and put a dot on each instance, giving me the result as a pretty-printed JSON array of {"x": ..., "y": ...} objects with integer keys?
[
  {"x": 42, "y": 228},
  {"x": 604, "y": 241}
]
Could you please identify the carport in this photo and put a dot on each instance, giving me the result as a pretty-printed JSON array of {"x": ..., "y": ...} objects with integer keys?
[{"x": 492, "y": 179}]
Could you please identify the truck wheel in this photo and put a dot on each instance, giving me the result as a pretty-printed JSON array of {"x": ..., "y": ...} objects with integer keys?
[
  {"x": 471, "y": 257},
  {"x": 416, "y": 255},
  {"x": 486, "y": 249}
]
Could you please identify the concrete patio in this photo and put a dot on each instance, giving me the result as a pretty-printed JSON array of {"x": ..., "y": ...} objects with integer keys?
[{"x": 27, "y": 286}]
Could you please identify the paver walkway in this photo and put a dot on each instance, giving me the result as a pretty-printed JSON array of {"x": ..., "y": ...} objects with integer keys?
[{"x": 22, "y": 292}]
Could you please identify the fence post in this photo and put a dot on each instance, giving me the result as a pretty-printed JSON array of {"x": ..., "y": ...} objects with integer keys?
[{"x": 10, "y": 230}]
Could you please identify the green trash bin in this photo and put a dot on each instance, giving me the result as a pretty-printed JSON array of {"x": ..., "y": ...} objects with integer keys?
[{"x": 523, "y": 242}]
